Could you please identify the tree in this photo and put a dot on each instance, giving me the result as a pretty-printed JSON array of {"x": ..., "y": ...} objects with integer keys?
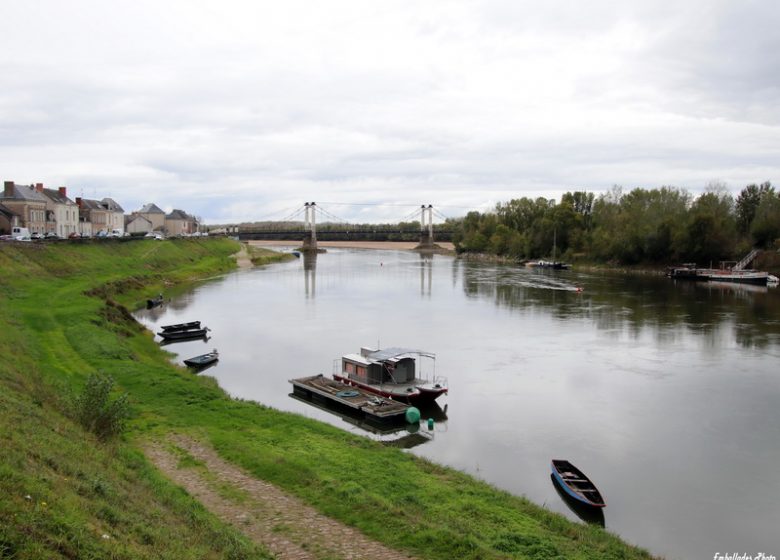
[
  {"x": 712, "y": 231},
  {"x": 765, "y": 226},
  {"x": 748, "y": 202}
]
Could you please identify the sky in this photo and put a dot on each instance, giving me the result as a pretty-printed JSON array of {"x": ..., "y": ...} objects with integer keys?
[{"x": 244, "y": 110}]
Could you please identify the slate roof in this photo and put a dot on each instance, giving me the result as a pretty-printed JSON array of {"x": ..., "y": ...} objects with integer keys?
[
  {"x": 111, "y": 204},
  {"x": 105, "y": 204},
  {"x": 129, "y": 219},
  {"x": 24, "y": 192},
  {"x": 150, "y": 208},
  {"x": 178, "y": 215},
  {"x": 90, "y": 204},
  {"x": 55, "y": 196}
]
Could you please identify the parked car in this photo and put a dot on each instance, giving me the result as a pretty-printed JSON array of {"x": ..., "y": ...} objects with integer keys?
[
  {"x": 101, "y": 233},
  {"x": 36, "y": 235},
  {"x": 155, "y": 235},
  {"x": 51, "y": 235},
  {"x": 74, "y": 235}
]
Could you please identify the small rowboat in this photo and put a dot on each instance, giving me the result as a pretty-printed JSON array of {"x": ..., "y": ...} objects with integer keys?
[
  {"x": 183, "y": 335},
  {"x": 203, "y": 360},
  {"x": 154, "y": 302},
  {"x": 576, "y": 484},
  {"x": 181, "y": 326}
]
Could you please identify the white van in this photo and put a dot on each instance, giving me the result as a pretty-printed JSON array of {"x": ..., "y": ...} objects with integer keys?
[{"x": 20, "y": 233}]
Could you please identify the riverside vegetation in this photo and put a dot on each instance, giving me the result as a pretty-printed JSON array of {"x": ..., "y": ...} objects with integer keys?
[
  {"x": 65, "y": 492},
  {"x": 642, "y": 226}
]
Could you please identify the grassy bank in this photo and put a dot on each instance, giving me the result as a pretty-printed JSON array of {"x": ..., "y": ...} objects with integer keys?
[{"x": 63, "y": 312}]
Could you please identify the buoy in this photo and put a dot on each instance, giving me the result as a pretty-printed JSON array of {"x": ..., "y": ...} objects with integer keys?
[
  {"x": 412, "y": 415},
  {"x": 430, "y": 423}
]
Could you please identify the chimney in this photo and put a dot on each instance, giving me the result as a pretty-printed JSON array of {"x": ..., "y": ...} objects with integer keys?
[
  {"x": 78, "y": 201},
  {"x": 8, "y": 192},
  {"x": 39, "y": 187},
  {"x": 63, "y": 192}
]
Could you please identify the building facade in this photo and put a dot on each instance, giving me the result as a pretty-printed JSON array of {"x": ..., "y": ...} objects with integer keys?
[
  {"x": 64, "y": 211},
  {"x": 28, "y": 204},
  {"x": 178, "y": 222},
  {"x": 155, "y": 216}
]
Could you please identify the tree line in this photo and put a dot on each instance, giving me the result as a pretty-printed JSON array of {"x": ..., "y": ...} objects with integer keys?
[{"x": 662, "y": 225}]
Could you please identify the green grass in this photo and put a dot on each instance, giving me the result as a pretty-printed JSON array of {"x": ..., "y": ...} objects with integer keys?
[
  {"x": 66, "y": 307},
  {"x": 261, "y": 256}
]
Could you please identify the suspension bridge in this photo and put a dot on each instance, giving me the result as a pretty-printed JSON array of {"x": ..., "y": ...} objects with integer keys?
[{"x": 311, "y": 222}]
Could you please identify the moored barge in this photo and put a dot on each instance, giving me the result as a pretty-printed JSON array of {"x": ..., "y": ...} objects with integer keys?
[{"x": 372, "y": 406}]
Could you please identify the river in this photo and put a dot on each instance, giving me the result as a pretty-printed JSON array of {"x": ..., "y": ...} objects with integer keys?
[{"x": 665, "y": 393}]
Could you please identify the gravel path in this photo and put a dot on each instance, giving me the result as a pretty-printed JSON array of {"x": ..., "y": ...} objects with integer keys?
[{"x": 287, "y": 527}]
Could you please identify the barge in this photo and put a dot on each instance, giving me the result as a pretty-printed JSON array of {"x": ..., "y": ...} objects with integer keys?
[
  {"x": 370, "y": 406},
  {"x": 690, "y": 272}
]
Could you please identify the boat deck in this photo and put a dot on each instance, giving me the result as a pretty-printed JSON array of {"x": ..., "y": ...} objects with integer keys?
[{"x": 373, "y": 406}]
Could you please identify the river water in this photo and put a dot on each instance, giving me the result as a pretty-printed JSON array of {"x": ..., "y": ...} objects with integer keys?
[{"x": 666, "y": 394}]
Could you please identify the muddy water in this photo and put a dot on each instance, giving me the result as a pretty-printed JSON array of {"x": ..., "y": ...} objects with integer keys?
[{"x": 665, "y": 394}]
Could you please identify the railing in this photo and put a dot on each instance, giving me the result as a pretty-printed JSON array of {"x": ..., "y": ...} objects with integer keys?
[{"x": 746, "y": 260}]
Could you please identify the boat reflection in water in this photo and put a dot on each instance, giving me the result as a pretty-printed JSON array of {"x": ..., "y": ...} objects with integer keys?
[
  {"x": 588, "y": 514},
  {"x": 409, "y": 435}
]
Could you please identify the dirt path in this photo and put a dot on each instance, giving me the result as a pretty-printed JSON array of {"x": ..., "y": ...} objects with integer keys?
[
  {"x": 242, "y": 258},
  {"x": 287, "y": 527}
]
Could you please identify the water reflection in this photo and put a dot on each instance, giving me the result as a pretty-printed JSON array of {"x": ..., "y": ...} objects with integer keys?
[
  {"x": 426, "y": 273},
  {"x": 410, "y": 435},
  {"x": 310, "y": 273},
  {"x": 587, "y": 513},
  {"x": 633, "y": 302}
]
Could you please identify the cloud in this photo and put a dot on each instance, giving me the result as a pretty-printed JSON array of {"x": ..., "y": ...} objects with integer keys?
[{"x": 230, "y": 108}]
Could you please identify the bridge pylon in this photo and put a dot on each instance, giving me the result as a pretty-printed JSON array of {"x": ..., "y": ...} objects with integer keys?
[
  {"x": 426, "y": 228},
  {"x": 310, "y": 227}
]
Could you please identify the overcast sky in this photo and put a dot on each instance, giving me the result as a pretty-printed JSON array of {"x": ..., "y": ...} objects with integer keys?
[{"x": 237, "y": 110}]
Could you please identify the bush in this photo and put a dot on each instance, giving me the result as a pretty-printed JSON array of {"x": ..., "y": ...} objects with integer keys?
[{"x": 94, "y": 410}]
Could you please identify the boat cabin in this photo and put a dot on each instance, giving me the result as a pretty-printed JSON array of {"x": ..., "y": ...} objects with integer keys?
[{"x": 393, "y": 365}]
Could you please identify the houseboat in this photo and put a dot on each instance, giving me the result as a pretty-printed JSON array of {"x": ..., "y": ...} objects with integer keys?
[{"x": 392, "y": 373}]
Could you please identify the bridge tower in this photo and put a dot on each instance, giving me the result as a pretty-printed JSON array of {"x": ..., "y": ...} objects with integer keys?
[
  {"x": 426, "y": 233},
  {"x": 310, "y": 227}
]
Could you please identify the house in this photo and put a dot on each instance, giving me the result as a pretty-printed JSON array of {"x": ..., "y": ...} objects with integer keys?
[
  {"x": 178, "y": 222},
  {"x": 135, "y": 223},
  {"x": 8, "y": 220},
  {"x": 102, "y": 215},
  {"x": 64, "y": 213},
  {"x": 28, "y": 204},
  {"x": 153, "y": 213}
]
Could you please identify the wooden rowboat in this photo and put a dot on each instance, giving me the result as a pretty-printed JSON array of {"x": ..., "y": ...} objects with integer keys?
[
  {"x": 203, "y": 360},
  {"x": 576, "y": 484},
  {"x": 183, "y": 335},
  {"x": 181, "y": 326}
]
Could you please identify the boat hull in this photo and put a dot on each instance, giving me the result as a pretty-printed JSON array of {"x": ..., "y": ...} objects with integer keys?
[
  {"x": 757, "y": 278},
  {"x": 183, "y": 335},
  {"x": 202, "y": 360},
  {"x": 575, "y": 484},
  {"x": 181, "y": 327},
  {"x": 419, "y": 396}
]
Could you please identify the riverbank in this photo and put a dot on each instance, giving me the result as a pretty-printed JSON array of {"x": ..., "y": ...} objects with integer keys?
[{"x": 65, "y": 311}]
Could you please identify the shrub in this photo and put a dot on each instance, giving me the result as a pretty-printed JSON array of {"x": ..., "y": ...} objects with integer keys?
[{"x": 94, "y": 409}]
